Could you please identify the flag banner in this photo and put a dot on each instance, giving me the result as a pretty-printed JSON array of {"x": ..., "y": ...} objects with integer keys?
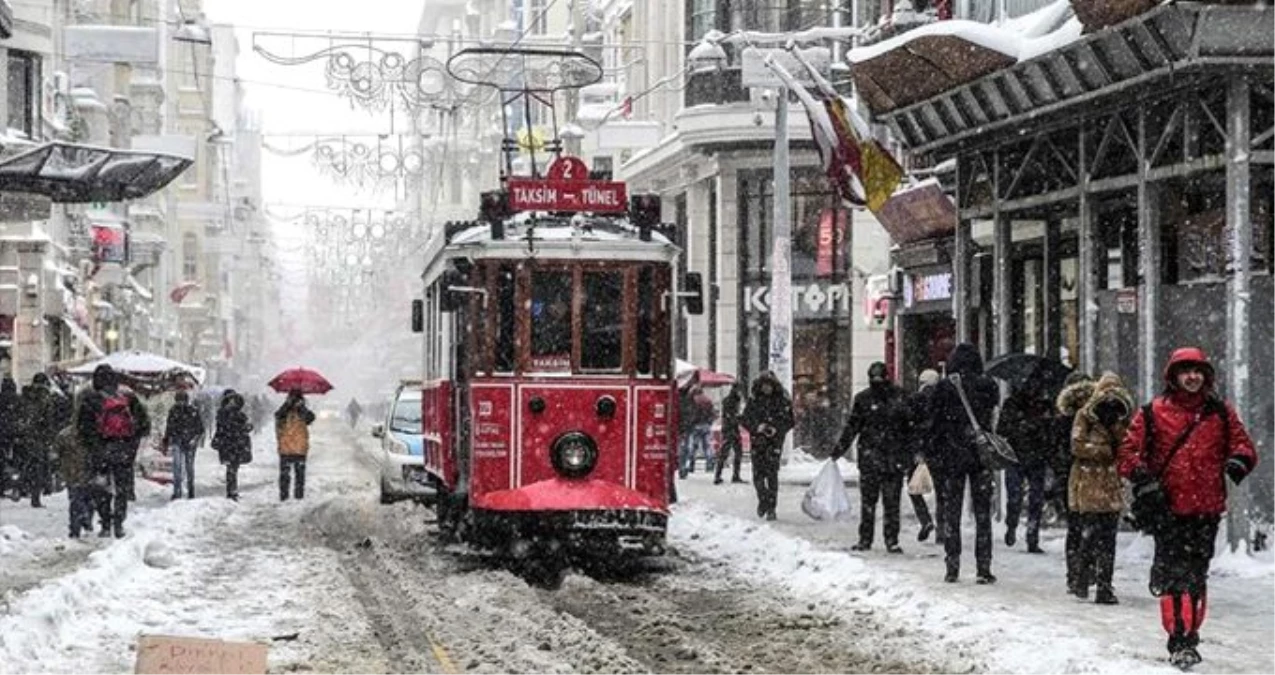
[{"x": 876, "y": 169}]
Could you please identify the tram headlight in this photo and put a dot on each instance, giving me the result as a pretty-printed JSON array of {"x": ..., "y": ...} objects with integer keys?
[{"x": 574, "y": 454}]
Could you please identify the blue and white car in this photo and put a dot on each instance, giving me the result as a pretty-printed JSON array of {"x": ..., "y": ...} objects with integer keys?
[{"x": 401, "y": 453}]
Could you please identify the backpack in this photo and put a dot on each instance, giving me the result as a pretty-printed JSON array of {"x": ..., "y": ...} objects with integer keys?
[{"x": 115, "y": 419}]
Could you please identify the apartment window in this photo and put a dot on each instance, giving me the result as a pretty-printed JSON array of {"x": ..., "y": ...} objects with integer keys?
[
  {"x": 24, "y": 78},
  {"x": 536, "y": 19},
  {"x": 190, "y": 257},
  {"x": 703, "y": 17}
]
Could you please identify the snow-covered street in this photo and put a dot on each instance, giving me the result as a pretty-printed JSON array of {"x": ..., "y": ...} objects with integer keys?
[{"x": 340, "y": 583}]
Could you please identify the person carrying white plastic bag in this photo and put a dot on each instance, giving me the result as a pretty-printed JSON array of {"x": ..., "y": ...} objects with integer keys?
[{"x": 826, "y": 498}]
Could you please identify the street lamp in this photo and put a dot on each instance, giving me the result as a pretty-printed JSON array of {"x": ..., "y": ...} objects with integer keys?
[{"x": 709, "y": 55}]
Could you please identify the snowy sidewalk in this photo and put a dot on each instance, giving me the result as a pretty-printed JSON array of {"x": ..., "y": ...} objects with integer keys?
[
  {"x": 205, "y": 567},
  {"x": 1026, "y": 623}
]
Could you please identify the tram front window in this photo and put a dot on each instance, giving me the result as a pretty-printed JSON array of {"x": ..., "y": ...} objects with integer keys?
[
  {"x": 601, "y": 341},
  {"x": 551, "y": 320}
]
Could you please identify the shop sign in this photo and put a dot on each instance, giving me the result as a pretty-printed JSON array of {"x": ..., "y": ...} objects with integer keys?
[
  {"x": 812, "y": 300},
  {"x": 927, "y": 288},
  {"x": 1127, "y": 301},
  {"x": 832, "y": 234}
]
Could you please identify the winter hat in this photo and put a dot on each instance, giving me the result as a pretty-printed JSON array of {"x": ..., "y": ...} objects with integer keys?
[
  {"x": 877, "y": 371},
  {"x": 928, "y": 378}
]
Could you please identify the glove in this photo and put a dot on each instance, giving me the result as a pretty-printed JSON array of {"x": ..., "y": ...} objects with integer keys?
[{"x": 1236, "y": 470}]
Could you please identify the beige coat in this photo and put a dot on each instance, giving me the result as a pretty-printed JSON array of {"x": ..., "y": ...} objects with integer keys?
[{"x": 1094, "y": 485}]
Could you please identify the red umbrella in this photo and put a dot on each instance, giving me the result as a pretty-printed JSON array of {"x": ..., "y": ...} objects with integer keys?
[{"x": 308, "y": 381}]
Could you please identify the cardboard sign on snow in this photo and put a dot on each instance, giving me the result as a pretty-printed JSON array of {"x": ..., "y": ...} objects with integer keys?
[{"x": 169, "y": 654}]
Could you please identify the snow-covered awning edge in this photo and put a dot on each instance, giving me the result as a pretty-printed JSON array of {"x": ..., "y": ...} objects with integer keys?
[{"x": 1046, "y": 29}]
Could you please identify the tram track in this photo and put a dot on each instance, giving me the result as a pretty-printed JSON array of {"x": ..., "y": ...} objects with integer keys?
[{"x": 698, "y": 619}]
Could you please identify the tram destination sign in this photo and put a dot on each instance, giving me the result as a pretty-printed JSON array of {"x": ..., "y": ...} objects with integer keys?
[{"x": 595, "y": 196}]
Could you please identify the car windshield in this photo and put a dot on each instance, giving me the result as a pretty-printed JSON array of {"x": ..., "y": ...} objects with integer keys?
[{"x": 407, "y": 416}]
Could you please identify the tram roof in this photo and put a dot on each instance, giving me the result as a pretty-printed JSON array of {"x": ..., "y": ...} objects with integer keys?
[{"x": 556, "y": 237}]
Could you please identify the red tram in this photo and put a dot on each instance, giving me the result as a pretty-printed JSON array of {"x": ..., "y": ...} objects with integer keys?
[{"x": 549, "y": 404}]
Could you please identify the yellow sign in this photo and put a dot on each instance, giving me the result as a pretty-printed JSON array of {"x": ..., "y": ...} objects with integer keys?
[{"x": 530, "y": 140}]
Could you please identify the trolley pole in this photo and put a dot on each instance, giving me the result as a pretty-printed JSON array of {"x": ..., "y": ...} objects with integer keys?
[{"x": 781, "y": 263}]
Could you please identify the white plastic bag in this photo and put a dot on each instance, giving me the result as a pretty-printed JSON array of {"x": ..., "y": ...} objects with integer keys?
[
  {"x": 826, "y": 498},
  {"x": 922, "y": 483}
]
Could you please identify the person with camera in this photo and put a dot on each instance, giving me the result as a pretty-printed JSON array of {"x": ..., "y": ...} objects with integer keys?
[
  {"x": 1178, "y": 453},
  {"x": 768, "y": 418}
]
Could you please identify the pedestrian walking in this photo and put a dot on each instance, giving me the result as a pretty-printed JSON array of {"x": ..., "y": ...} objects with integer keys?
[
  {"x": 110, "y": 424},
  {"x": 182, "y": 432},
  {"x": 954, "y": 455},
  {"x": 292, "y": 430},
  {"x": 768, "y": 419},
  {"x": 79, "y": 476},
  {"x": 919, "y": 445},
  {"x": 232, "y": 439},
  {"x": 1077, "y": 391},
  {"x": 10, "y": 426},
  {"x": 1027, "y": 422},
  {"x": 1096, "y": 495},
  {"x": 879, "y": 420},
  {"x": 38, "y": 427},
  {"x": 1192, "y": 441},
  {"x": 705, "y": 415},
  {"x": 731, "y": 442},
  {"x": 353, "y": 411}
]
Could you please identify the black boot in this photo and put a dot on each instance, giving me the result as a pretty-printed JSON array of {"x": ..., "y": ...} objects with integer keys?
[{"x": 1106, "y": 596}]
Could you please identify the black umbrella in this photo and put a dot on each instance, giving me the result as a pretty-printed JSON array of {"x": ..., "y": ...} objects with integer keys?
[{"x": 1023, "y": 371}]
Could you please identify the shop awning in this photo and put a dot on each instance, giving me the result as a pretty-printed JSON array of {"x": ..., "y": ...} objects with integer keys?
[
  {"x": 72, "y": 173},
  {"x": 920, "y": 211},
  {"x": 82, "y": 336}
]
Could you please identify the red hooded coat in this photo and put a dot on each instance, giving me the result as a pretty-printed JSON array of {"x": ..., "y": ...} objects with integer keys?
[{"x": 1195, "y": 481}]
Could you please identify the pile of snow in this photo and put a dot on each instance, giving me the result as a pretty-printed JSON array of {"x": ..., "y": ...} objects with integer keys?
[{"x": 13, "y": 541}]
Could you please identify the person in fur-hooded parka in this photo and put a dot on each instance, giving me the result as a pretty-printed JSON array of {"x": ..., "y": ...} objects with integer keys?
[{"x": 1095, "y": 492}]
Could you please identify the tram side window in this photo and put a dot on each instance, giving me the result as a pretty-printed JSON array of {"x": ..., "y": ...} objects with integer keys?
[
  {"x": 551, "y": 320},
  {"x": 505, "y": 320},
  {"x": 645, "y": 324},
  {"x": 601, "y": 343}
]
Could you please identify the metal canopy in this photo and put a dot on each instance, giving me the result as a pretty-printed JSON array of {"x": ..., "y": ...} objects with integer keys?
[
  {"x": 1173, "y": 40},
  {"x": 72, "y": 173}
]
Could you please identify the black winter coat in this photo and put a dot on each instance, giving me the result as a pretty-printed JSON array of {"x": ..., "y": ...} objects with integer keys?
[
  {"x": 233, "y": 439},
  {"x": 952, "y": 448},
  {"x": 1027, "y": 422},
  {"x": 86, "y": 426},
  {"x": 39, "y": 425},
  {"x": 730, "y": 416},
  {"x": 879, "y": 418},
  {"x": 10, "y": 416},
  {"x": 184, "y": 426},
  {"x": 773, "y": 410},
  {"x": 919, "y": 423}
]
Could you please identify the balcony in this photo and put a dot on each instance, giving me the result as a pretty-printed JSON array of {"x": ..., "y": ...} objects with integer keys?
[{"x": 715, "y": 87}]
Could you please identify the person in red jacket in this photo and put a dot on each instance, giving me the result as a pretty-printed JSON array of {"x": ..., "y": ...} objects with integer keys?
[{"x": 1211, "y": 445}]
